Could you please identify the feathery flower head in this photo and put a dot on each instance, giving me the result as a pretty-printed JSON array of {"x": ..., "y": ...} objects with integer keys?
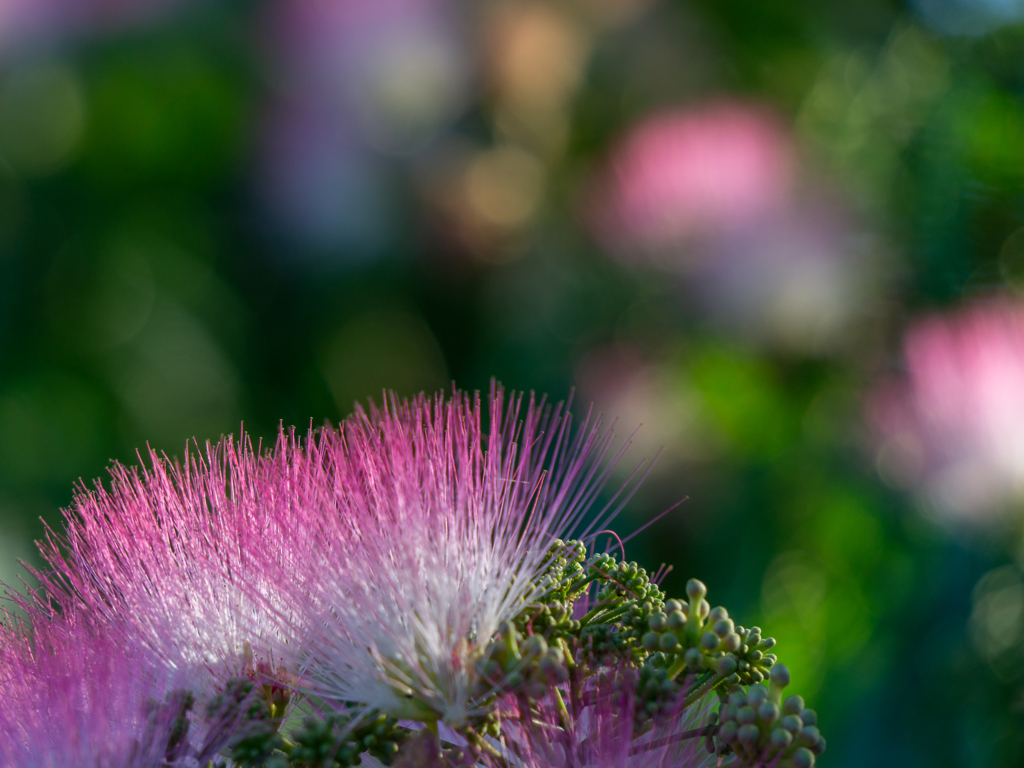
[
  {"x": 438, "y": 531},
  {"x": 165, "y": 551},
  {"x": 598, "y": 728},
  {"x": 73, "y": 695}
]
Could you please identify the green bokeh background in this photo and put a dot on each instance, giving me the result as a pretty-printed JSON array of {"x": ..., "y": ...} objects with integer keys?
[{"x": 144, "y": 300}]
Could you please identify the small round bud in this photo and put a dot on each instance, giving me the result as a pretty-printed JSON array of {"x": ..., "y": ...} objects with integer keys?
[
  {"x": 650, "y": 641},
  {"x": 731, "y": 642},
  {"x": 819, "y": 747},
  {"x": 658, "y": 622},
  {"x": 709, "y": 641},
  {"x": 718, "y": 613},
  {"x": 737, "y": 698},
  {"x": 668, "y": 642},
  {"x": 768, "y": 712},
  {"x": 748, "y": 734},
  {"x": 809, "y": 716},
  {"x": 780, "y": 675},
  {"x": 767, "y": 644},
  {"x": 693, "y": 658},
  {"x": 793, "y": 705},
  {"x": 726, "y": 665},
  {"x": 781, "y": 738},
  {"x": 535, "y": 646},
  {"x": 792, "y": 723},
  {"x": 676, "y": 620},
  {"x": 673, "y": 605},
  {"x": 728, "y": 732},
  {"x": 756, "y": 675},
  {"x": 757, "y": 695},
  {"x": 808, "y": 736},
  {"x": 721, "y": 627},
  {"x": 746, "y": 715},
  {"x": 695, "y": 589},
  {"x": 651, "y": 688},
  {"x": 703, "y": 609},
  {"x": 803, "y": 758},
  {"x": 727, "y": 712}
]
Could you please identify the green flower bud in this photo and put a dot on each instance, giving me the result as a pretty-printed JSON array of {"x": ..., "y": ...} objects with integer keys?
[
  {"x": 808, "y": 736},
  {"x": 819, "y": 747},
  {"x": 718, "y": 613},
  {"x": 676, "y": 619},
  {"x": 809, "y": 716},
  {"x": 703, "y": 609},
  {"x": 780, "y": 676},
  {"x": 668, "y": 642},
  {"x": 731, "y": 642},
  {"x": 748, "y": 734},
  {"x": 746, "y": 715},
  {"x": 695, "y": 589},
  {"x": 781, "y": 738},
  {"x": 727, "y": 712},
  {"x": 803, "y": 758},
  {"x": 794, "y": 705},
  {"x": 755, "y": 655},
  {"x": 728, "y": 732},
  {"x": 709, "y": 641},
  {"x": 674, "y": 605},
  {"x": 726, "y": 666},
  {"x": 767, "y": 644},
  {"x": 693, "y": 658},
  {"x": 792, "y": 723},
  {"x": 737, "y": 698},
  {"x": 658, "y": 622},
  {"x": 721, "y": 627},
  {"x": 757, "y": 695},
  {"x": 536, "y": 646},
  {"x": 650, "y": 641},
  {"x": 768, "y": 712}
]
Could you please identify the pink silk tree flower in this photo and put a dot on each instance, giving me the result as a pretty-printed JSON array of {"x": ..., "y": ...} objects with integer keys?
[
  {"x": 953, "y": 426},
  {"x": 438, "y": 531},
  {"x": 165, "y": 551},
  {"x": 72, "y": 695},
  {"x": 601, "y": 727}
]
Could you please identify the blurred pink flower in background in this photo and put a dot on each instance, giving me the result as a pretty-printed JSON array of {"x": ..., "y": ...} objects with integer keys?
[
  {"x": 695, "y": 172},
  {"x": 953, "y": 427},
  {"x": 715, "y": 193}
]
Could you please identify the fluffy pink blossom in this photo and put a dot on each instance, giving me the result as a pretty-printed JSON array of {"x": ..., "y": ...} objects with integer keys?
[
  {"x": 434, "y": 534},
  {"x": 72, "y": 695},
  {"x": 689, "y": 173},
  {"x": 953, "y": 426},
  {"x": 165, "y": 550},
  {"x": 598, "y": 730}
]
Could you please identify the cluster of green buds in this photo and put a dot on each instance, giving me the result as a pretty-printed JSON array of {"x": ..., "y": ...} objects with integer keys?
[
  {"x": 758, "y": 727},
  {"x": 704, "y": 638},
  {"x": 246, "y": 710},
  {"x": 525, "y": 665},
  {"x": 656, "y": 692},
  {"x": 338, "y": 741}
]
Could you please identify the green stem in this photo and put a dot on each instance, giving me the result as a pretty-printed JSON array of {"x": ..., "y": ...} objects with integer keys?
[
  {"x": 562, "y": 711},
  {"x": 706, "y": 685}
]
